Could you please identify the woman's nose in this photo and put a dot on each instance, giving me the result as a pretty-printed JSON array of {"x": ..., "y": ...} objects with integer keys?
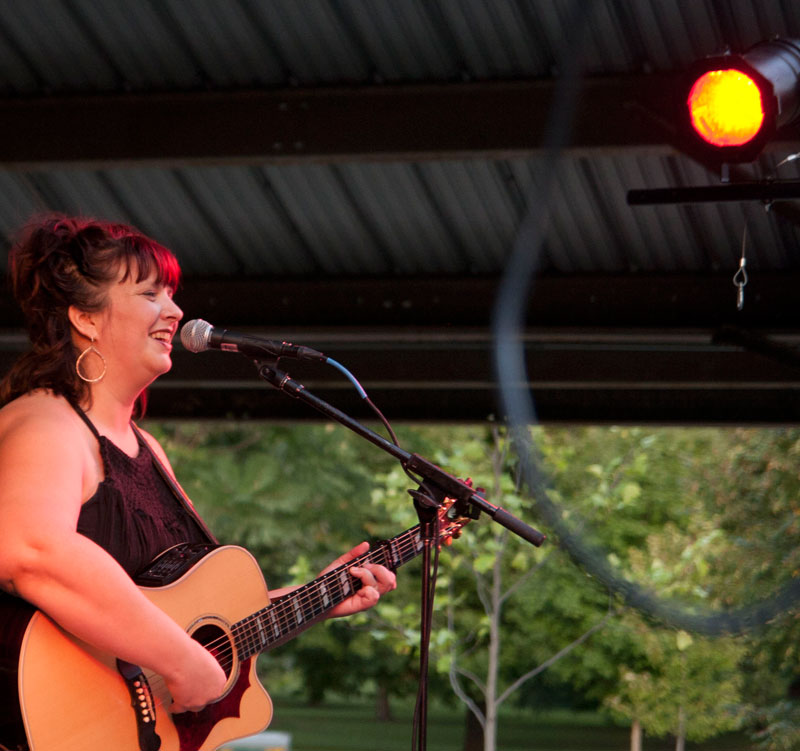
[{"x": 172, "y": 310}]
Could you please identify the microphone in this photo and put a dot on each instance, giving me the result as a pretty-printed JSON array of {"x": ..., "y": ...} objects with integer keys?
[{"x": 199, "y": 335}]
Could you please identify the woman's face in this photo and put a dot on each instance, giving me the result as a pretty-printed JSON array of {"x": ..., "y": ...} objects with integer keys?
[{"x": 136, "y": 328}]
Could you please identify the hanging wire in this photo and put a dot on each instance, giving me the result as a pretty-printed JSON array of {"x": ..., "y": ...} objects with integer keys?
[
  {"x": 515, "y": 289},
  {"x": 740, "y": 278}
]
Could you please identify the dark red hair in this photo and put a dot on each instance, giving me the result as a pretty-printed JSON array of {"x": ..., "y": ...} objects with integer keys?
[{"x": 58, "y": 261}]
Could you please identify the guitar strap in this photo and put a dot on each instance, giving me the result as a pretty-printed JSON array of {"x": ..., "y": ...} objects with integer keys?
[{"x": 176, "y": 489}]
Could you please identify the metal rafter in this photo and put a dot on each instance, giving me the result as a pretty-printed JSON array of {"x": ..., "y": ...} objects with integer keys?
[
  {"x": 406, "y": 122},
  {"x": 632, "y": 349}
]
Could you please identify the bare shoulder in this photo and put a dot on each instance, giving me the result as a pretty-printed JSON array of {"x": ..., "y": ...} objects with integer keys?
[
  {"x": 40, "y": 416},
  {"x": 40, "y": 427},
  {"x": 45, "y": 455}
]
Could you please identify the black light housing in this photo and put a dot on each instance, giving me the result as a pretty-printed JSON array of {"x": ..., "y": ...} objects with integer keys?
[{"x": 767, "y": 73}]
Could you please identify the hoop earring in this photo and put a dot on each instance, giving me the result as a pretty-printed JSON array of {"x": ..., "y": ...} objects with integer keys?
[{"x": 90, "y": 348}]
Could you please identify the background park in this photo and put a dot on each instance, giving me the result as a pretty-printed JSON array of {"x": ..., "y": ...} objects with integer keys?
[{"x": 657, "y": 612}]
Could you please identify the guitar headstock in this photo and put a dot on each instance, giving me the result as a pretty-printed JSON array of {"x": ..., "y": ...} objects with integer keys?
[{"x": 453, "y": 517}]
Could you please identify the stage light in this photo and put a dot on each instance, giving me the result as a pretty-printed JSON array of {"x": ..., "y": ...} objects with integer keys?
[
  {"x": 725, "y": 107},
  {"x": 734, "y": 104}
]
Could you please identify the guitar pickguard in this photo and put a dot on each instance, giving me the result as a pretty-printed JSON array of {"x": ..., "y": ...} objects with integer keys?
[{"x": 193, "y": 727}]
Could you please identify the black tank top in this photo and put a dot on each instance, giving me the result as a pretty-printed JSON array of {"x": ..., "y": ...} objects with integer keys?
[{"x": 134, "y": 514}]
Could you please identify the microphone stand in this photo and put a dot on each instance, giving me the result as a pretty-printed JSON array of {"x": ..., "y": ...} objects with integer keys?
[{"x": 434, "y": 487}]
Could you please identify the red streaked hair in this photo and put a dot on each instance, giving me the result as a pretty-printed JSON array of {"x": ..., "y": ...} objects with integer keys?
[{"x": 59, "y": 261}]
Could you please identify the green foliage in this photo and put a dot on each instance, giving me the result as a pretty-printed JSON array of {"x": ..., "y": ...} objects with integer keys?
[
  {"x": 708, "y": 501},
  {"x": 296, "y": 497},
  {"x": 278, "y": 491},
  {"x": 756, "y": 501},
  {"x": 676, "y": 510},
  {"x": 778, "y": 727},
  {"x": 689, "y": 686}
]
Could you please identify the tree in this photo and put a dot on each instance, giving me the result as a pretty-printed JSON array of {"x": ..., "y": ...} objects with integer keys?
[
  {"x": 482, "y": 576},
  {"x": 755, "y": 499},
  {"x": 690, "y": 687},
  {"x": 674, "y": 510},
  {"x": 501, "y": 567}
]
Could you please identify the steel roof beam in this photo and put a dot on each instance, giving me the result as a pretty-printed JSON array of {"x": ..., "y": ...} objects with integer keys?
[{"x": 389, "y": 122}]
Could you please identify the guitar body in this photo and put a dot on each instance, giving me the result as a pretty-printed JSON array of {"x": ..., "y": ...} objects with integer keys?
[{"x": 73, "y": 697}]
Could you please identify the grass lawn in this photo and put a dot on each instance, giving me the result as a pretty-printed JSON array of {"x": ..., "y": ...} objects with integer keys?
[{"x": 340, "y": 727}]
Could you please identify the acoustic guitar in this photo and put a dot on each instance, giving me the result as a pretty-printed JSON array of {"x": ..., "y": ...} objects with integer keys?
[{"x": 61, "y": 694}]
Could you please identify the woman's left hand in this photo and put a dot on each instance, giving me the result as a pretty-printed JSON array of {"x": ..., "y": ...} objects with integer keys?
[{"x": 376, "y": 580}]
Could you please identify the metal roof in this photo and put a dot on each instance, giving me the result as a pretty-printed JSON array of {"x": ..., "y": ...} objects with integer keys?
[
  {"x": 344, "y": 157},
  {"x": 86, "y": 45}
]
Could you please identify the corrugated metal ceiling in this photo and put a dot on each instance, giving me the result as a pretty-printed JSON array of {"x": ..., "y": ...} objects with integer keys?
[
  {"x": 400, "y": 219},
  {"x": 451, "y": 216},
  {"x": 380, "y": 218},
  {"x": 88, "y": 45}
]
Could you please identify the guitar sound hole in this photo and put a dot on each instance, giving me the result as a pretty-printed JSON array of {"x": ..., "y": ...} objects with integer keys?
[{"x": 219, "y": 643}]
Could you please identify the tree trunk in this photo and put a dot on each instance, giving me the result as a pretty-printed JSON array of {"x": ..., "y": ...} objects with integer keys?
[
  {"x": 473, "y": 732},
  {"x": 490, "y": 713},
  {"x": 490, "y": 731},
  {"x": 383, "y": 710},
  {"x": 636, "y": 736},
  {"x": 493, "y": 666},
  {"x": 680, "y": 739}
]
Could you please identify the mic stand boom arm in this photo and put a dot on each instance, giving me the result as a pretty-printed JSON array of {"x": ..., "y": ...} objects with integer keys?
[
  {"x": 434, "y": 487},
  {"x": 449, "y": 486}
]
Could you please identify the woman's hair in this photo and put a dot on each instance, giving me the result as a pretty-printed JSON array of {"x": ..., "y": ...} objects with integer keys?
[{"x": 58, "y": 261}]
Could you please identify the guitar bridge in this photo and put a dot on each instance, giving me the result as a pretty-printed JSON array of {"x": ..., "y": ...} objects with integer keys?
[{"x": 142, "y": 703}]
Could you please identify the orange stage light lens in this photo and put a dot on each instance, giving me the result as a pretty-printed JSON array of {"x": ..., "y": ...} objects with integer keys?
[{"x": 725, "y": 107}]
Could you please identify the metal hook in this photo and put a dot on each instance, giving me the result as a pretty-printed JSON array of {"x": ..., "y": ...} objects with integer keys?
[{"x": 740, "y": 277}]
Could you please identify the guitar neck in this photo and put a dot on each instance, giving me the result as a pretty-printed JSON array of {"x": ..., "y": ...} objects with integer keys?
[{"x": 285, "y": 618}]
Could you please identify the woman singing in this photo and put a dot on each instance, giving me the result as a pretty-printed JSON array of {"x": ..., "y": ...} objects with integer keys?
[{"x": 83, "y": 505}]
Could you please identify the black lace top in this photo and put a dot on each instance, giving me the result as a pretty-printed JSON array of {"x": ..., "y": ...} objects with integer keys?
[{"x": 134, "y": 514}]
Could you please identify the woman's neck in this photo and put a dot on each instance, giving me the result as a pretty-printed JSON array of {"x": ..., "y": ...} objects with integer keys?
[{"x": 111, "y": 413}]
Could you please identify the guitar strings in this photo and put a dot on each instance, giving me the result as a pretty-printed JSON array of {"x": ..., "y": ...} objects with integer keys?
[
  {"x": 405, "y": 546},
  {"x": 222, "y": 645},
  {"x": 250, "y": 632},
  {"x": 247, "y": 632},
  {"x": 283, "y": 614}
]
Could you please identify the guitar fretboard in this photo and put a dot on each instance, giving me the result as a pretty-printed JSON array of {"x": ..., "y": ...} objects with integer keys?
[{"x": 284, "y": 619}]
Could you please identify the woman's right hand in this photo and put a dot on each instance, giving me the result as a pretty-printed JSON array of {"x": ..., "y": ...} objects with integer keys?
[{"x": 199, "y": 680}]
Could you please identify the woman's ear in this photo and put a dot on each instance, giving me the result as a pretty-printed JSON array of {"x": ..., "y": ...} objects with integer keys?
[{"x": 82, "y": 322}]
